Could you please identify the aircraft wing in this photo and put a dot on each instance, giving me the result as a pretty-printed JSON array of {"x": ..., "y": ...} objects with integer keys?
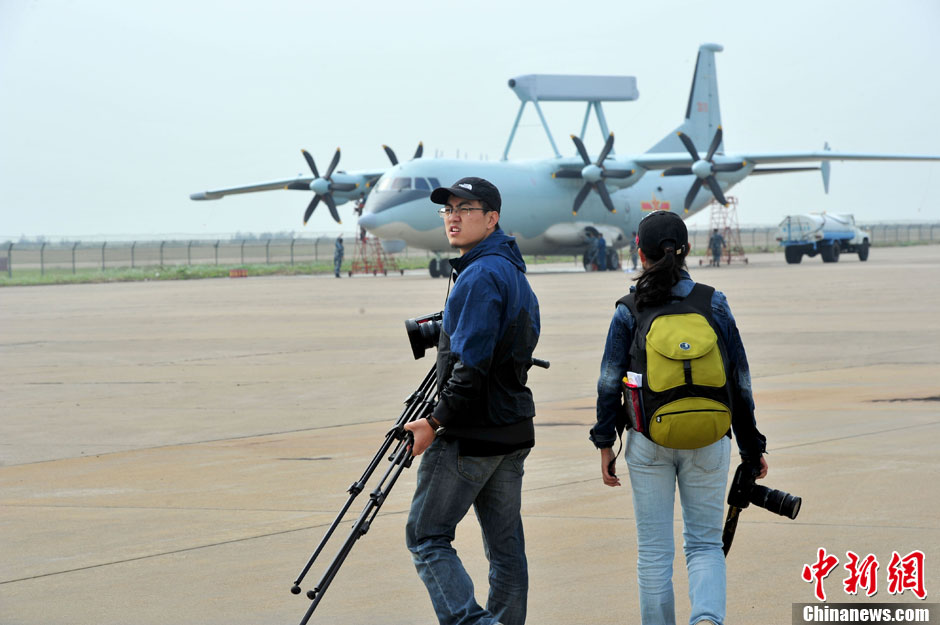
[
  {"x": 665, "y": 160},
  {"x": 361, "y": 180},
  {"x": 252, "y": 188},
  {"x": 826, "y": 155}
]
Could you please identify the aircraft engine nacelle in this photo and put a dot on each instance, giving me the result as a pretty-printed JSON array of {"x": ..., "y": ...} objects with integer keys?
[{"x": 580, "y": 234}]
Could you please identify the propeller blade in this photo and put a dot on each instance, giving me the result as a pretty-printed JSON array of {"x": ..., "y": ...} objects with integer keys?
[
  {"x": 608, "y": 146},
  {"x": 678, "y": 171},
  {"x": 343, "y": 186},
  {"x": 567, "y": 173},
  {"x": 333, "y": 164},
  {"x": 716, "y": 190},
  {"x": 580, "y": 145},
  {"x": 332, "y": 206},
  {"x": 693, "y": 192},
  {"x": 312, "y": 205},
  {"x": 579, "y": 199},
  {"x": 733, "y": 166},
  {"x": 605, "y": 196},
  {"x": 313, "y": 166},
  {"x": 298, "y": 186},
  {"x": 391, "y": 155},
  {"x": 716, "y": 141},
  {"x": 617, "y": 173},
  {"x": 419, "y": 151},
  {"x": 688, "y": 145}
]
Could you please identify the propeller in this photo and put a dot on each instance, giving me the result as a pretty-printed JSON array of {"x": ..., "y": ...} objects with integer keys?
[
  {"x": 593, "y": 174},
  {"x": 703, "y": 169},
  {"x": 322, "y": 187},
  {"x": 394, "y": 159}
]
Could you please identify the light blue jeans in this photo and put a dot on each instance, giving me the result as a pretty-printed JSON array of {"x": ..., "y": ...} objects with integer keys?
[
  {"x": 702, "y": 476},
  {"x": 448, "y": 485}
]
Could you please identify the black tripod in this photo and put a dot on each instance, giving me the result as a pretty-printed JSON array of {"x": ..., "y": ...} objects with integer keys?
[{"x": 418, "y": 405}]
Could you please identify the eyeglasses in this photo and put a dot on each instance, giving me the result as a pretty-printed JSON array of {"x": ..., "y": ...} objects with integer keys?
[{"x": 463, "y": 211}]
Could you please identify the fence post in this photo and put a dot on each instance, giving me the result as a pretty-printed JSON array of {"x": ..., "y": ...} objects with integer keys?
[
  {"x": 267, "y": 254},
  {"x": 10, "y": 260},
  {"x": 74, "y": 245},
  {"x": 243, "y": 252},
  {"x": 162, "y": 243},
  {"x": 103, "y": 245},
  {"x": 292, "y": 251},
  {"x": 133, "y": 245},
  {"x": 189, "y": 253},
  {"x": 42, "y": 259},
  {"x": 217, "y": 241},
  {"x": 316, "y": 249}
]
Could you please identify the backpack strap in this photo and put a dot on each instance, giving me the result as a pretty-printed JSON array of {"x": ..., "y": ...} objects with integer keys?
[
  {"x": 628, "y": 300},
  {"x": 700, "y": 299}
]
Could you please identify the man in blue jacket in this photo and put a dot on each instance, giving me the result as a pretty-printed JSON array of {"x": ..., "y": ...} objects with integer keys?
[{"x": 477, "y": 440}]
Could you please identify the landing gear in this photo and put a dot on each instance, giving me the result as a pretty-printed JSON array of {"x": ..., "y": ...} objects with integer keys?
[
  {"x": 439, "y": 268},
  {"x": 613, "y": 259}
]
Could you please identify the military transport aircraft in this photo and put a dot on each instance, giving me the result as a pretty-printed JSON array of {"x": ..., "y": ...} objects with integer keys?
[{"x": 556, "y": 205}]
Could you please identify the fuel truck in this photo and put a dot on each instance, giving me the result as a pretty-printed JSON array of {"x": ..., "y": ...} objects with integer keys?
[{"x": 823, "y": 234}]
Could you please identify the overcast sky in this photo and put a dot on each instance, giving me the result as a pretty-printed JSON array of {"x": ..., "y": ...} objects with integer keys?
[{"x": 113, "y": 112}]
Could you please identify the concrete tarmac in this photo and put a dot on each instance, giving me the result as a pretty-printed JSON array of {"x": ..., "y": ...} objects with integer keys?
[{"x": 172, "y": 452}]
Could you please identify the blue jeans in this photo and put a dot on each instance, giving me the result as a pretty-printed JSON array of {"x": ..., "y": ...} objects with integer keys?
[
  {"x": 448, "y": 484},
  {"x": 702, "y": 475}
]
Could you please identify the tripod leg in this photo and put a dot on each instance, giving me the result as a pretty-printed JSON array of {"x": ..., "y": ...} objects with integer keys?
[
  {"x": 402, "y": 461},
  {"x": 416, "y": 404}
]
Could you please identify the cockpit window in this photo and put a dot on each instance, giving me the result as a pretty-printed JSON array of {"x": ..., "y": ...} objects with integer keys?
[
  {"x": 435, "y": 183},
  {"x": 393, "y": 184},
  {"x": 422, "y": 184}
]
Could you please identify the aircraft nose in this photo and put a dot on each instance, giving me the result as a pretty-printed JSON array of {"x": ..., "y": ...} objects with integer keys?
[{"x": 369, "y": 221}]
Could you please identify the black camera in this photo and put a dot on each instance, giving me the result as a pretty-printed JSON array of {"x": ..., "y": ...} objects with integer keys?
[
  {"x": 744, "y": 491},
  {"x": 424, "y": 333}
]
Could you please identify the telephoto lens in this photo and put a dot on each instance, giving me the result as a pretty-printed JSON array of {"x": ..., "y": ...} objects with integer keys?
[
  {"x": 776, "y": 501},
  {"x": 424, "y": 333}
]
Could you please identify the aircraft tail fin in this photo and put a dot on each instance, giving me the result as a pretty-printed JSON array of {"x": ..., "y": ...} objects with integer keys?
[{"x": 702, "y": 114}]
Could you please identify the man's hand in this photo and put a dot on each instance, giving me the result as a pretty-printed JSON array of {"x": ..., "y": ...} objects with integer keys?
[
  {"x": 609, "y": 467},
  {"x": 423, "y": 435}
]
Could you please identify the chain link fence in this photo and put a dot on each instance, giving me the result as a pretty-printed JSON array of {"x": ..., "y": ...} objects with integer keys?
[
  {"x": 75, "y": 256},
  {"x": 78, "y": 256}
]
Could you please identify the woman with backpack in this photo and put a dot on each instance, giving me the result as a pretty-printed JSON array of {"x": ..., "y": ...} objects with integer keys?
[{"x": 664, "y": 289}]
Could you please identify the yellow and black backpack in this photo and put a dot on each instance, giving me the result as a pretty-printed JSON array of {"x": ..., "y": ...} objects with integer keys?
[{"x": 677, "y": 392}]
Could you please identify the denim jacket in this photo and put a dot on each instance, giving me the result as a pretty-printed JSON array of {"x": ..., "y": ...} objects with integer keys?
[{"x": 616, "y": 362}]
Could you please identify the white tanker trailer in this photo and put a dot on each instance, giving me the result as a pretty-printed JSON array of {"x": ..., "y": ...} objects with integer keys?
[{"x": 819, "y": 233}]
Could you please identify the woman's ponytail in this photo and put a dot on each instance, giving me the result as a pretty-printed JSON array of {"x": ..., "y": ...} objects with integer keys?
[{"x": 654, "y": 285}]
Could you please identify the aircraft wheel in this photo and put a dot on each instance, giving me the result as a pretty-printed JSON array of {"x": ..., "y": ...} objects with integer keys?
[
  {"x": 588, "y": 261},
  {"x": 863, "y": 251},
  {"x": 793, "y": 255},
  {"x": 433, "y": 269},
  {"x": 613, "y": 260},
  {"x": 444, "y": 268}
]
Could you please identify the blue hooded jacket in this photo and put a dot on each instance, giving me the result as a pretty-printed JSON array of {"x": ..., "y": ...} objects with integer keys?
[{"x": 489, "y": 331}]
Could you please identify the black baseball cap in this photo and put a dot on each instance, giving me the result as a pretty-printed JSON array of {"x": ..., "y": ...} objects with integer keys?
[
  {"x": 659, "y": 228},
  {"x": 469, "y": 189}
]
